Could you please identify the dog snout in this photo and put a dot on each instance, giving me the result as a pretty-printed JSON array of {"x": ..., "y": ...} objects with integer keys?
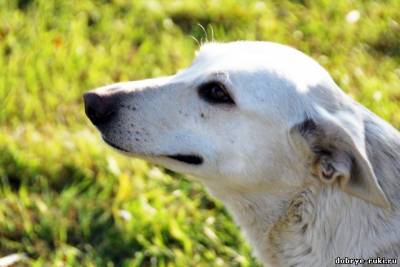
[{"x": 99, "y": 108}]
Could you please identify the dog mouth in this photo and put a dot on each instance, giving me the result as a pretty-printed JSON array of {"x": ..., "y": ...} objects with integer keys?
[
  {"x": 114, "y": 145},
  {"x": 188, "y": 159},
  {"x": 185, "y": 158}
]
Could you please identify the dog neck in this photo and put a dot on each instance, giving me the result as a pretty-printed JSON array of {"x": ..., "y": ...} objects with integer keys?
[
  {"x": 315, "y": 225},
  {"x": 254, "y": 213}
]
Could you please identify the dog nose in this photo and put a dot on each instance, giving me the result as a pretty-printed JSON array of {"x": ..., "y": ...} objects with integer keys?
[{"x": 98, "y": 107}]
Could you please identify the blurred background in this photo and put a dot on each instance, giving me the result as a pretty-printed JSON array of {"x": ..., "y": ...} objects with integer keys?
[{"x": 68, "y": 200}]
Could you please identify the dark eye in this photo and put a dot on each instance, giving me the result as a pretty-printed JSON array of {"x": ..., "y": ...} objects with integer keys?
[{"x": 215, "y": 92}]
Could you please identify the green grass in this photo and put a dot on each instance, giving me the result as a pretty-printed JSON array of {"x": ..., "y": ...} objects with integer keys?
[{"x": 67, "y": 199}]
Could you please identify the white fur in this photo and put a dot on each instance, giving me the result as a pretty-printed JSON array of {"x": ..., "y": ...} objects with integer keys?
[{"x": 257, "y": 167}]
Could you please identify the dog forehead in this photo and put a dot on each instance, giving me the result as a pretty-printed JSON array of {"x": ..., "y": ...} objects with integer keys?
[
  {"x": 253, "y": 53},
  {"x": 231, "y": 56},
  {"x": 252, "y": 58}
]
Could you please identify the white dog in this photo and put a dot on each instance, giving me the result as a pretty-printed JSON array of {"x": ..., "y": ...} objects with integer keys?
[{"x": 310, "y": 175}]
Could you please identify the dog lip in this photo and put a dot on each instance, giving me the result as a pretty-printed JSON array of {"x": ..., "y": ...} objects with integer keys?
[
  {"x": 113, "y": 145},
  {"x": 187, "y": 158}
]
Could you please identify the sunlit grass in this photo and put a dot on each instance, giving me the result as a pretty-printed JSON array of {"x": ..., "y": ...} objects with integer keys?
[{"x": 65, "y": 198}]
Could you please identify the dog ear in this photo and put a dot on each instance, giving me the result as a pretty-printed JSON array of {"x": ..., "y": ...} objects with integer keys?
[{"x": 337, "y": 154}]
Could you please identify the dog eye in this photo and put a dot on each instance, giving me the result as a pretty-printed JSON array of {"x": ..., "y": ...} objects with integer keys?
[{"x": 215, "y": 92}]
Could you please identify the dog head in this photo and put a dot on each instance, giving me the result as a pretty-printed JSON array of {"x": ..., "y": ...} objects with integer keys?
[{"x": 232, "y": 119}]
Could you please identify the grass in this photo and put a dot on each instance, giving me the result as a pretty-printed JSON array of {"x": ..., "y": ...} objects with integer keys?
[{"x": 68, "y": 200}]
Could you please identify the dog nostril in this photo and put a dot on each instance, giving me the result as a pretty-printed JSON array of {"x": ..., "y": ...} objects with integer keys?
[
  {"x": 98, "y": 108},
  {"x": 98, "y": 117}
]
